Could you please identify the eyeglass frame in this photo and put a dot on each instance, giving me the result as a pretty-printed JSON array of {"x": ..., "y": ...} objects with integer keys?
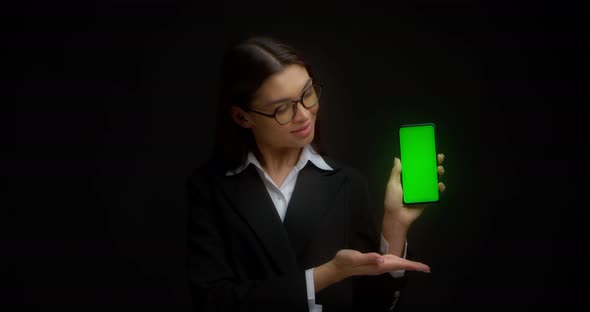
[{"x": 293, "y": 105}]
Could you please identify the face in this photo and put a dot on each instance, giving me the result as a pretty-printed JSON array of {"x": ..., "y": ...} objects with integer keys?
[{"x": 285, "y": 86}]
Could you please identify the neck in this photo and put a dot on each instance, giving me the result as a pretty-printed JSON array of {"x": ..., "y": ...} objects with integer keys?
[{"x": 274, "y": 159}]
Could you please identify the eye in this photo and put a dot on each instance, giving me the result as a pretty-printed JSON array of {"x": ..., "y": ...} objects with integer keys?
[{"x": 284, "y": 107}]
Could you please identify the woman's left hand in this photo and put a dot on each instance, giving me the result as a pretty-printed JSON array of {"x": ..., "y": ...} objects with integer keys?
[{"x": 394, "y": 207}]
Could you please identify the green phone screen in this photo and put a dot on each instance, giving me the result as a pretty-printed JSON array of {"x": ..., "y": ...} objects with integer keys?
[{"x": 419, "y": 175}]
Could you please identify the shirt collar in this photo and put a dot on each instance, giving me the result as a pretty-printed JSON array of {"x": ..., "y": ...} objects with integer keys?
[{"x": 307, "y": 154}]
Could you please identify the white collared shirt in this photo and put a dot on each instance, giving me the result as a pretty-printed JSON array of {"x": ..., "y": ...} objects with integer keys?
[{"x": 282, "y": 195}]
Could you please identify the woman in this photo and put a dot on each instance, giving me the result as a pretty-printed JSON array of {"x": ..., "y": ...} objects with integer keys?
[{"x": 276, "y": 224}]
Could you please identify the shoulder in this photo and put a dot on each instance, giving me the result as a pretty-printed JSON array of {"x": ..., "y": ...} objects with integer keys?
[{"x": 352, "y": 174}]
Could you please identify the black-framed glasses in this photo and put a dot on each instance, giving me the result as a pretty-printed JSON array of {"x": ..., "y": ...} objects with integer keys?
[{"x": 287, "y": 110}]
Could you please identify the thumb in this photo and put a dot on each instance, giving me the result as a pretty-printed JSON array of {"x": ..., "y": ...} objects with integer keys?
[
  {"x": 368, "y": 258},
  {"x": 396, "y": 170}
]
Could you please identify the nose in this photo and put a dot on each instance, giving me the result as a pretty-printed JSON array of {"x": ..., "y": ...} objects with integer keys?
[{"x": 301, "y": 112}]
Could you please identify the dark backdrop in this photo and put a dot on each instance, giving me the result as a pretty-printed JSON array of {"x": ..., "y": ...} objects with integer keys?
[{"x": 114, "y": 105}]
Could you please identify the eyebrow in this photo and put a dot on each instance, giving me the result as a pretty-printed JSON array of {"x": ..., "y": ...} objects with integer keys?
[{"x": 307, "y": 84}]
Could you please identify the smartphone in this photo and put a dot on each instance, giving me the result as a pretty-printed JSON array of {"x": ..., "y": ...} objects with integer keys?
[{"x": 419, "y": 176}]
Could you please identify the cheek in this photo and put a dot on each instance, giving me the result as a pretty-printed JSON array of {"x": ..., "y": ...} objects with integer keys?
[
  {"x": 270, "y": 131},
  {"x": 315, "y": 112}
]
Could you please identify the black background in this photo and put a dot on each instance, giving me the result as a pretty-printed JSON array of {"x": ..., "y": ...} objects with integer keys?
[{"x": 113, "y": 105}]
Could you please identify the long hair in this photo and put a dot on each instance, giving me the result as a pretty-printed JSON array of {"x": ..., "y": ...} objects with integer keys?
[{"x": 245, "y": 66}]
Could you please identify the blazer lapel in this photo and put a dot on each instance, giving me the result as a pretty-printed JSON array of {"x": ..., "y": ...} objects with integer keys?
[
  {"x": 252, "y": 201},
  {"x": 314, "y": 194}
]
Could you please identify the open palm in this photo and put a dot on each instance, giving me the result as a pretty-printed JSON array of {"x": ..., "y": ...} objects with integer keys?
[{"x": 351, "y": 262}]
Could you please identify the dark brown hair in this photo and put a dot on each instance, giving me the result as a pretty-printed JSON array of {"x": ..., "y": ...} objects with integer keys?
[{"x": 245, "y": 66}]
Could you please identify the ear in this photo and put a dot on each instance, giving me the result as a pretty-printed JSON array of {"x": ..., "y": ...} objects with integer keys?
[{"x": 240, "y": 117}]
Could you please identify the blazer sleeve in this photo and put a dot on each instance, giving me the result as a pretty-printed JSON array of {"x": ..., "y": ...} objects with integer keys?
[
  {"x": 370, "y": 293},
  {"x": 212, "y": 283}
]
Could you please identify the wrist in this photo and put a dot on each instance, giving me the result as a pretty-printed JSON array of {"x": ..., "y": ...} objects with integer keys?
[
  {"x": 334, "y": 274},
  {"x": 326, "y": 275},
  {"x": 393, "y": 220},
  {"x": 394, "y": 232}
]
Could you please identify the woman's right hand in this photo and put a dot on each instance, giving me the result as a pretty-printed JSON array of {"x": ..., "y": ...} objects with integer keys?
[{"x": 348, "y": 262}]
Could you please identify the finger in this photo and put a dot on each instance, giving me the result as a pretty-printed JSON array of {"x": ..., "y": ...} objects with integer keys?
[
  {"x": 415, "y": 266},
  {"x": 396, "y": 170},
  {"x": 441, "y": 170},
  {"x": 441, "y": 187},
  {"x": 440, "y": 157},
  {"x": 397, "y": 263}
]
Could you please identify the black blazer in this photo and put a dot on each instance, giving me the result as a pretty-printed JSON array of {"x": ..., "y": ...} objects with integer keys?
[{"x": 241, "y": 257}]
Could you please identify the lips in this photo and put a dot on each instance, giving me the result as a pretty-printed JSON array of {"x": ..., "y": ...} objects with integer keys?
[{"x": 303, "y": 128}]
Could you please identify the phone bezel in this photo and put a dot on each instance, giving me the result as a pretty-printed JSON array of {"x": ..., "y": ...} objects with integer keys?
[{"x": 435, "y": 159}]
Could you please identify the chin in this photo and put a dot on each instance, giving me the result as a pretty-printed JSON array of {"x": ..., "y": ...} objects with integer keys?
[{"x": 309, "y": 139}]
